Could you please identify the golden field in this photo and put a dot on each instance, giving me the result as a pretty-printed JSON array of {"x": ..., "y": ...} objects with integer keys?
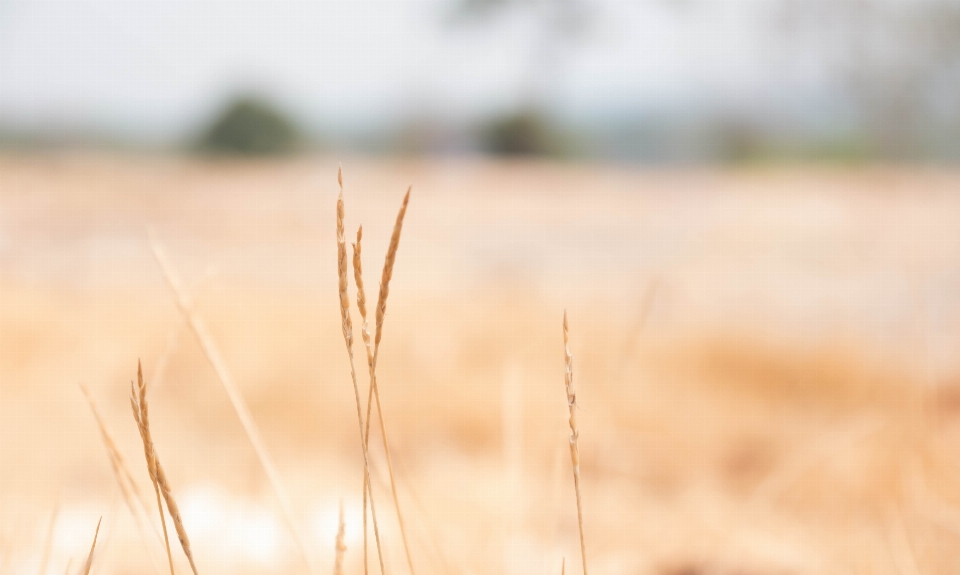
[{"x": 766, "y": 362}]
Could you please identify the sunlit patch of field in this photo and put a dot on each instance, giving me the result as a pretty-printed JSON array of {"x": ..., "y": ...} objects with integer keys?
[{"x": 766, "y": 362}]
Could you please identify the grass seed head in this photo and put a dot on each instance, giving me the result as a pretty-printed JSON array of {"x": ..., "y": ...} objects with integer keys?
[{"x": 388, "y": 268}]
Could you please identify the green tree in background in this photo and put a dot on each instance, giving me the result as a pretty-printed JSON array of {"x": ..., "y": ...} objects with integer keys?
[
  {"x": 252, "y": 126},
  {"x": 527, "y": 128}
]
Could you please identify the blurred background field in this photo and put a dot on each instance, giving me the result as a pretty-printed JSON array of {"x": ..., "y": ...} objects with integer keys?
[
  {"x": 748, "y": 208},
  {"x": 765, "y": 361}
]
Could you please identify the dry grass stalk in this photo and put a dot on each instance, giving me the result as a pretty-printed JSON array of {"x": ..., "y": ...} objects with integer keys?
[
  {"x": 388, "y": 271},
  {"x": 89, "y": 563},
  {"x": 647, "y": 298},
  {"x": 138, "y": 401},
  {"x": 174, "y": 336},
  {"x": 45, "y": 554},
  {"x": 361, "y": 295},
  {"x": 347, "y": 326},
  {"x": 341, "y": 547},
  {"x": 174, "y": 511},
  {"x": 128, "y": 487},
  {"x": 169, "y": 348},
  {"x": 212, "y": 353},
  {"x": 374, "y": 392},
  {"x": 367, "y": 344},
  {"x": 574, "y": 433},
  {"x": 141, "y": 415}
]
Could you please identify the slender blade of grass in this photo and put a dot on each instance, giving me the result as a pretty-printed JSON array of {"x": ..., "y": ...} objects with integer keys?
[
  {"x": 574, "y": 433},
  {"x": 89, "y": 563},
  {"x": 212, "y": 353}
]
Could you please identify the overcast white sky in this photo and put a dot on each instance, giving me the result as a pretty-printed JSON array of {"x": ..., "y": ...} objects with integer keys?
[{"x": 156, "y": 68}]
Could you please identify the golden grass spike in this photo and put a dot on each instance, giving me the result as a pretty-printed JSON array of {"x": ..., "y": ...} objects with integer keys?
[
  {"x": 161, "y": 484},
  {"x": 347, "y": 326},
  {"x": 138, "y": 402},
  {"x": 361, "y": 295},
  {"x": 174, "y": 510},
  {"x": 388, "y": 270},
  {"x": 574, "y": 433},
  {"x": 341, "y": 547},
  {"x": 212, "y": 353},
  {"x": 563, "y": 566},
  {"x": 124, "y": 480},
  {"x": 346, "y": 323},
  {"x": 48, "y": 538},
  {"x": 374, "y": 392},
  {"x": 86, "y": 566}
]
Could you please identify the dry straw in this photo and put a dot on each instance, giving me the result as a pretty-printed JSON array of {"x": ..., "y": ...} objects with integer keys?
[
  {"x": 341, "y": 547},
  {"x": 212, "y": 353},
  {"x": 347, "y": 326},
  {"x": 372, "y": 354},
  {"x": 365, "y": 334},
  {"x": 89, "y": 563},
  {"x": 574, "y": 433},
  {"x": 128, "y": 487},
  {"x": 138, "y": 403},
  {"x": 141, "y": 416}
]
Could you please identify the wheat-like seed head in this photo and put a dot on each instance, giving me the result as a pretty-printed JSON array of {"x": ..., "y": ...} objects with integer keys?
[
  {"x": 358, "y": 273},
  {"x": 346, "y": 324},
  {"x": 141, "y": 413},
  {"x": 361, "y": 294},
  {"x": 174, "y": 510},
  {"x": 388, "y": 269},
  {"x": 128, "y": 487},
  {"x": 571, "y": 393},
  {"x": 138, "y": 401},
  {"x": 148, "y": 453}
]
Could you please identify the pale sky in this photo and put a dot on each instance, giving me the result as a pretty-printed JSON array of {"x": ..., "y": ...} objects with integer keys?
[{"x": 155, "y": 68}]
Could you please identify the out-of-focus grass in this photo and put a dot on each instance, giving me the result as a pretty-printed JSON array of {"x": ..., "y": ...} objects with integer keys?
[{"x": 782, "y": 400}]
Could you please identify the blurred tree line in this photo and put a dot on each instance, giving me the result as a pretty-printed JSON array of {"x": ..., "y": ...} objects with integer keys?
[
  {"x": 894, "y": 66},
  {"x": 896, "y": 61}
]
